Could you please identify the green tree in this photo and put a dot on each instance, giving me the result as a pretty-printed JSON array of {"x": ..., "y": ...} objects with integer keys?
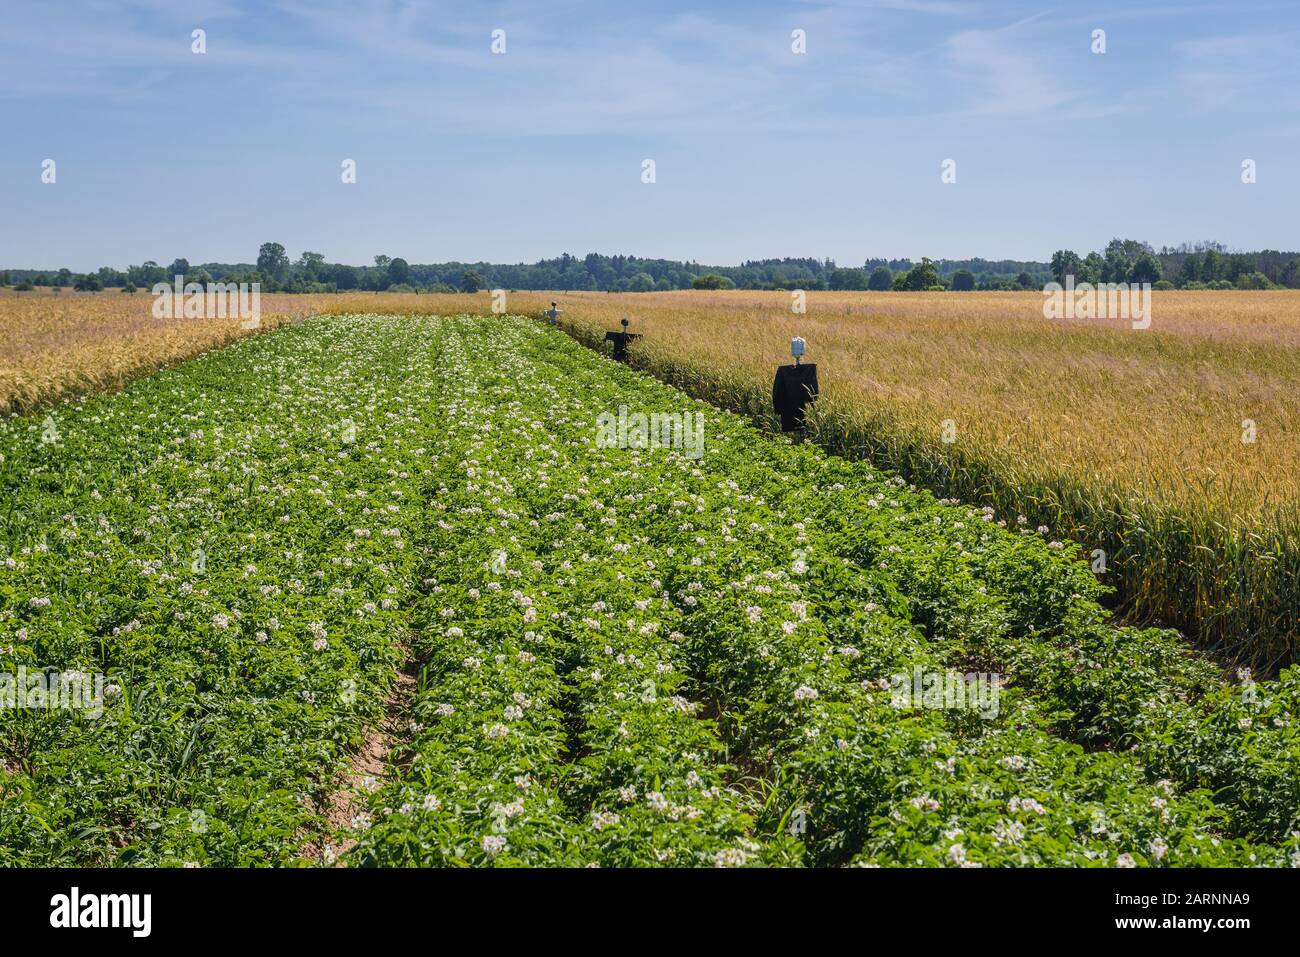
[
  {"x": 1093, "y": 265},
  {"x": 311, "y": 266},
  {"x": 710, "y": 281},
  {"x": 88, "y": 282},
  {"x": 641, "y": 282},
  {"x": 147, "y": 274},
  {"x": 922, "y": 276},
  {"x": 345, "y": 277},
  {"x": 848, "y": 278},
  {"x": 1120, "y": 257},
  {"x": 399, "y": 272},
  {"x": 1066, "y": 262},
  {"x": 963, "y": 280},
  {"x": 1212, "y": 266},
  {"x": 1290, "y": 275},
  {"x": 272, "y": 261},
  {"x": 881, "y": 279},
  {"x": 1240, "y": 264},
  {"x": 1146, "y": 268},
  {"x": 471, "y": 281}
]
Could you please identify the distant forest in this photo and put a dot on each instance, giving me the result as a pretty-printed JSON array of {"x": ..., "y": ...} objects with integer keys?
[{"x": 1191, "y": 265}]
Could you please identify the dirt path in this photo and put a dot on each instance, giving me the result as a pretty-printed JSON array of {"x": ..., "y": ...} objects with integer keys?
[{"x": 367, "y": 764}]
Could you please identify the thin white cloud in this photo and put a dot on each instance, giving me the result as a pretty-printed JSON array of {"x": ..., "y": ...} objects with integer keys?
[
  {"x": 1243, "y": 71},
  {"x": 996, "y": 71}
]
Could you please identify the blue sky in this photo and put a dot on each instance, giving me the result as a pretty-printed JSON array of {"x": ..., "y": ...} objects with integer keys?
[{"x": 463, "y": 154}]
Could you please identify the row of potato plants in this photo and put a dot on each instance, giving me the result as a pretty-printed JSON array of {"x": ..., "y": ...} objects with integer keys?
[
  {"x": 1015, "y": 602},
  {"x": 785, "y": 627},
  {"x": 549, "y": 725},
  {"x": 229, "y": 544},
  {"x": 1045, "y": 582},
  {"x": 1040, "y": 622},
  {"x": 1022, "y": 604},
  {"x": 627, "y": 656}
]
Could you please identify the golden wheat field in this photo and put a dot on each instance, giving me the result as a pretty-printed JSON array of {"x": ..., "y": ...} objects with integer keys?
[
  {"x": 55, "y": 345},
  {"x": 1173, "y": 449},
  {"x": 1155, "y": 413}
]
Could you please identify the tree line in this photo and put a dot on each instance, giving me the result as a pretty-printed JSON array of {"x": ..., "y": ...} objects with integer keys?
[{"x": 1205, "y": 265}]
